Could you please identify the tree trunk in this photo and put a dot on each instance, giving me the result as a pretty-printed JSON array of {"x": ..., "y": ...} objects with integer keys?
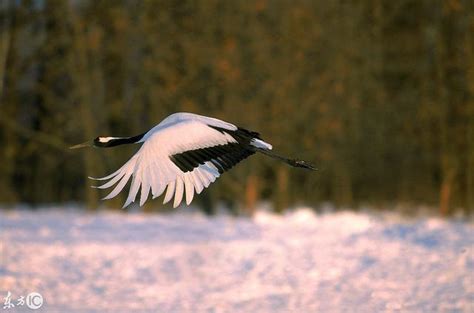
[
  {"x": 342, "y": 185},
  {"x": 7, "y": 106},
  {"x": 84, "y": 96},
  {"x": 251, "y": 194},
  {"x": 5, "y": 28},
  {"x": 470, "y": 164},
  {"x": 282, "y": 198},
  {"x": 446, "y": 191},
  {"x": 470, "y": 120}
]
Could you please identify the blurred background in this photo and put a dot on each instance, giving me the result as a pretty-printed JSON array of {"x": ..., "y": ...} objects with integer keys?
[{"x": 377, "y": 94}]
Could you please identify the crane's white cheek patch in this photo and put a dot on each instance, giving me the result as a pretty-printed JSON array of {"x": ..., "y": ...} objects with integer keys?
[{"x": 105, "y": 139}]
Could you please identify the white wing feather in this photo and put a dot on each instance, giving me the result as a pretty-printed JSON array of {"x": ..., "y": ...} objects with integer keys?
[
  {"x": 197, "y": 181},
  {"x": 152, "y": 168},
  {"x": 178, "y": 193},
  {"x": 169, "y": 192},
  {"x": 189, "y": 187}
]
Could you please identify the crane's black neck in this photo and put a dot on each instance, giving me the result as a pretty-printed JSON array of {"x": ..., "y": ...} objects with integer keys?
[{"x": 108, "y": 142}]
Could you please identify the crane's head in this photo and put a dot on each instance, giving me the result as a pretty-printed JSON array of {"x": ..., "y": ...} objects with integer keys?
[
  {"x": 104, "y": 142},
  {"x": 107, "y": 142},
  {"x": 100, "y": 142}
]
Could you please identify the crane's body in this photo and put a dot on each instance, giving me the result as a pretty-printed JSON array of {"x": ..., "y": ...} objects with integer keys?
[{"x": 183, "y": 154}]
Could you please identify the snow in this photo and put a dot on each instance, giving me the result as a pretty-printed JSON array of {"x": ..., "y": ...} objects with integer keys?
[{"x": 186, "y": 262}]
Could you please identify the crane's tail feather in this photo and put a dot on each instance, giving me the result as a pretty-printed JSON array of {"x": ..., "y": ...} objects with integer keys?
[{"x": 291, "y": 162}]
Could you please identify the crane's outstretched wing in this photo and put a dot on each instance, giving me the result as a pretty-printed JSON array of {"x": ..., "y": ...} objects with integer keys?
[{"x": 184, "y": 157}]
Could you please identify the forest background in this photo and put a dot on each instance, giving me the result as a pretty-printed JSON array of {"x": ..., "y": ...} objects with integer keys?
[{"x": 378, "y": 94}]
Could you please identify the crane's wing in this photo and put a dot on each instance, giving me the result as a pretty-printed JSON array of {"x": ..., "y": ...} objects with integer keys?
[{"x": 182, "y": 158}]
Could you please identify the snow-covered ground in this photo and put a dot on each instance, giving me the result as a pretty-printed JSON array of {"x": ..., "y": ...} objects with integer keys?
[{"x": 186, "y": 262}]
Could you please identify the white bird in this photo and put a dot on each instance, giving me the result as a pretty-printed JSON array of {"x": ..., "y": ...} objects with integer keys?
[{"x": 183, "y": 154}]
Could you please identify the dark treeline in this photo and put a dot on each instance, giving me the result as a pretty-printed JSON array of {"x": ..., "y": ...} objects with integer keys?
[{"x": 377, "y": 93}]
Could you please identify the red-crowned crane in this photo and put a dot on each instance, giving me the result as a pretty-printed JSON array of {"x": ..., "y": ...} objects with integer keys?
[{"x": 185, "y": 152}]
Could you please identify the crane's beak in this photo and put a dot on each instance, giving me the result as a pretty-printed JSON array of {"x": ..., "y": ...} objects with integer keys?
[{"x": 82, "y": 145}]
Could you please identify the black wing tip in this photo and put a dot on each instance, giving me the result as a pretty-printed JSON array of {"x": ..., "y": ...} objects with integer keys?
[
  {"x": 223, "y": 157},
  {"x": 251, "y": 133}
]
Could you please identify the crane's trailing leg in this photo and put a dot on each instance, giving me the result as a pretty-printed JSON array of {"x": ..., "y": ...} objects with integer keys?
[{"x": 292, "y": 162}]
